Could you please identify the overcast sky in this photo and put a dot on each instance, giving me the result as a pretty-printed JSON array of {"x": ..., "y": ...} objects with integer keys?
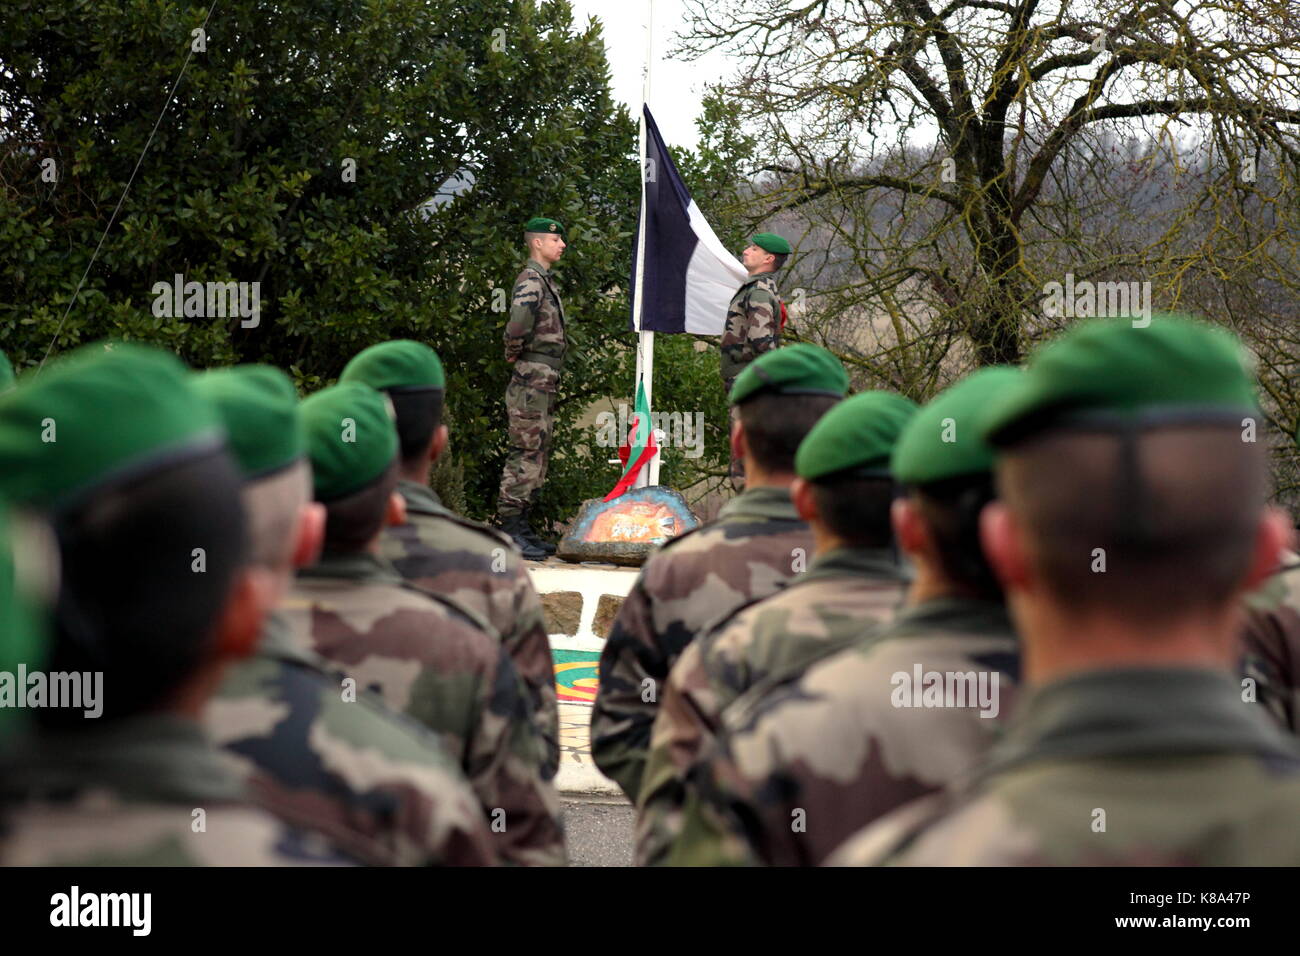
[{"x": 676, "y": 86}]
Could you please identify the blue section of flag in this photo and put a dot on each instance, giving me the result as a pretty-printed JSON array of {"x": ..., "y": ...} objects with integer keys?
[{"x": 670, "y": 240}]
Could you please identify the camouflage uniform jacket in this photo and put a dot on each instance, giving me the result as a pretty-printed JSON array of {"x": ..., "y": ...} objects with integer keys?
[
  {"x": 801, "y": 767},
  {"x": 1141, "y": 767},
  {"x": 140, "y": 791},
  {"x": 751, "y": 549},
  {"x": 1271, "y": 644},
  {"x": 378, "y": 784},
  {"x": 430, "y": 661},
  {"x": 534, "y": 333},
  {"x": 753, "y": 325},
  {"x": 844, "y": 596},
  {"x": 481, "y": 569}
]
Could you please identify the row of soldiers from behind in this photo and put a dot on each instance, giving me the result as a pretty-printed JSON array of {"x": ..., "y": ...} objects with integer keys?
[
  {"x": 1091, "y": 657},
  {"x": 392, "y": 702}
]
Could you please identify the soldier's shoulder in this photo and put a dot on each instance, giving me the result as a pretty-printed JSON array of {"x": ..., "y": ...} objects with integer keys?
[
  {"x": 449, "y": 609},
  {"x": 469, "y": 529}
]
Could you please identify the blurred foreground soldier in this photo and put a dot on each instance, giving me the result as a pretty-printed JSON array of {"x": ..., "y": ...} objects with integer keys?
[
  {"x": 1271, "y": 643},
  {"x": 129, "y": 465},
  {"x": 753, "y": 317},
  {"x": 803, "y": 766},
  {"x": 1132, "y": 519},
  {"x": 377, "y": 783},
  {"x": 28, "y": 583},
  {"x": 756, "y": 544},
  {"x": 535, "y": 346},
  {"x": 440, "y": 551},
  {"x": 427, "y": 658},
  {"x": 853, "y": 586}
]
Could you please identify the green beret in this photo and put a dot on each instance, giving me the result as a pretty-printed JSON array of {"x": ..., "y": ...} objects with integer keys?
[
  {"x": 945, "y": 439},
  {"x": 855, "y": 438},
  {"x": 6, "y": 372},
  {"x": 400, "y": 365},
  {"x": 1109, "y": 373},
  {"x": 350, "y": 438},
  {"x": 259, "y": 406},
  {"x": 100, "y": 415},
  {"x": 24, "y": 597},
  {"x": 794, "y": 370},
  {"x": 543, "y": 225},
  {"x": 771, "y": 242}
]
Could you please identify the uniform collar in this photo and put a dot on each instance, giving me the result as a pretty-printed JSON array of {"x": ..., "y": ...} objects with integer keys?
[
  {"x": 354, "y": 566},
  {"x": 859, "y": 562},
  {"x": 1137, "y": 712},
  {"x": 148, "y": 758},
  {"x": 420, "y": 499},
  {"x": 750, "y": 280},
  {"x": 955, "y": 615},
  {"x": 765, "y": 502},
  {"x": 538, "y": 267}
]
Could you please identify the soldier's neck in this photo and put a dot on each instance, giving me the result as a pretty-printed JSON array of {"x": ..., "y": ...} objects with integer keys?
[
  {"x": 761, "y": 272},
  {"x": 416, "y": 474}
]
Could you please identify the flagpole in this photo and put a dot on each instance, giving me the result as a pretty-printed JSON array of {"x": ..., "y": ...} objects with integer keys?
[{"x": 645, "y": 352}]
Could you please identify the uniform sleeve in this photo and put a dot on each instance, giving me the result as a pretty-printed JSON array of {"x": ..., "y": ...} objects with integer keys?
[
  {"x": 504, "y": 766},
  {"x": 529, "y": 647},
  {"x": 633, "y": 669},
  {"x": 762, "y": 321},
  {"x": 524, "y": 303}
]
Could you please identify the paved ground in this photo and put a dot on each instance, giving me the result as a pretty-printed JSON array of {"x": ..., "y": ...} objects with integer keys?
[{"x": 598, "y": 830}]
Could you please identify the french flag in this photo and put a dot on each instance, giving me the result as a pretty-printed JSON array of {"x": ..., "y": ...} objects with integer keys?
[{"x": 689, "y": 276}]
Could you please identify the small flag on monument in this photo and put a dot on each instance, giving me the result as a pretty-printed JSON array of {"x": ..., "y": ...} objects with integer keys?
[{"x": 640, "y": 447}]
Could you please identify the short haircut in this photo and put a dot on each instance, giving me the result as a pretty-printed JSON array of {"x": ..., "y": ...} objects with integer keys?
[
  {"x": 1175, "y": 527},
  {"x": 779, "y": 264},
  {"x": 139, "y": 600},
  {"x": 775, "y": 425},
  {"x": 273, "y": 505},
  {"x": 856, "y": 509},
  {"x": 419, "y": 413},
  {"x": 353, "y": 521},
  {"x": 951, "y": 511}
]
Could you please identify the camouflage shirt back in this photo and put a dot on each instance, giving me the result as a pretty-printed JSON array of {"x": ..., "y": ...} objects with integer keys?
[
  {"x": 1271, "y": 644},
  {"x": 754, "y": 547},
  {"x": 1135, "y": 767}
]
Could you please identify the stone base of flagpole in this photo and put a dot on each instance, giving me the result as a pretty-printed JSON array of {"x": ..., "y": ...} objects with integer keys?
[{"x": 628, "y": 529}]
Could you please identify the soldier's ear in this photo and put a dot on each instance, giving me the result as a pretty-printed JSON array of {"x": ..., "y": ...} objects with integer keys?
[
  {"x": 910, "y": 530},
  {"x": 239, "y": 628},
  {"x": 737, "y": 440},
  {"x": 1005, "y": 547},
  {"x": 805, "y": 503},
  {"x": 438, "y": 444},
  {"x": 1273, "y": 537},
  {"x": 310, "y": 534},
  {"x": 396, "y": 513}
]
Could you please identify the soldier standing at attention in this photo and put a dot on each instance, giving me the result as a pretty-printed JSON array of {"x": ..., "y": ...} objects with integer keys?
[
  {"x": 535, "y": 347},
  {"x": 757, "y": 543},
  {"x": 437, "y": 549},
  {"x": 1132, "y": 518},
  {"x": 753, "y": 318}
]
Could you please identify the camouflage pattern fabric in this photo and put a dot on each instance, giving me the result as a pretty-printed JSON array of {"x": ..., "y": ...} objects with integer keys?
[
  {"x": 846, "y": 595},
  {"x": 1271, "y": 644},
  {"x": 800, "y": 767},
  {"x": 142, "y": 791},
  {"x": 379, "y": 785},
  {"x": 753, "y": 325},
  {"x": 535, "y": 342},
  {"x": 755, "y": 545},
  {"x": 481, "y": 569},
  {"x": 431, "y": 661},
  {"x": 1141, "y": 767}
]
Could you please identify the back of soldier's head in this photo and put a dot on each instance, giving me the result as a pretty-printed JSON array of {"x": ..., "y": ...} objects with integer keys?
[
  {"x": 1129, "y": 462},
  {"x": 845, "y": 458},
  {"x": 143, "y": 497},
  {"x": 412, "y": 376},
  {"x": 780, "y": 396},
  {"x": 258, "y": 405},
  {"x": 353, "y": 450},
  {"x": 946, "y": 466}
]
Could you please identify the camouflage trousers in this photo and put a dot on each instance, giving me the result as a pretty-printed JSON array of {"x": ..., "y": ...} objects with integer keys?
[
  {"x": 737, "y": 468},
  {"x": 530, "y": 408}
]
